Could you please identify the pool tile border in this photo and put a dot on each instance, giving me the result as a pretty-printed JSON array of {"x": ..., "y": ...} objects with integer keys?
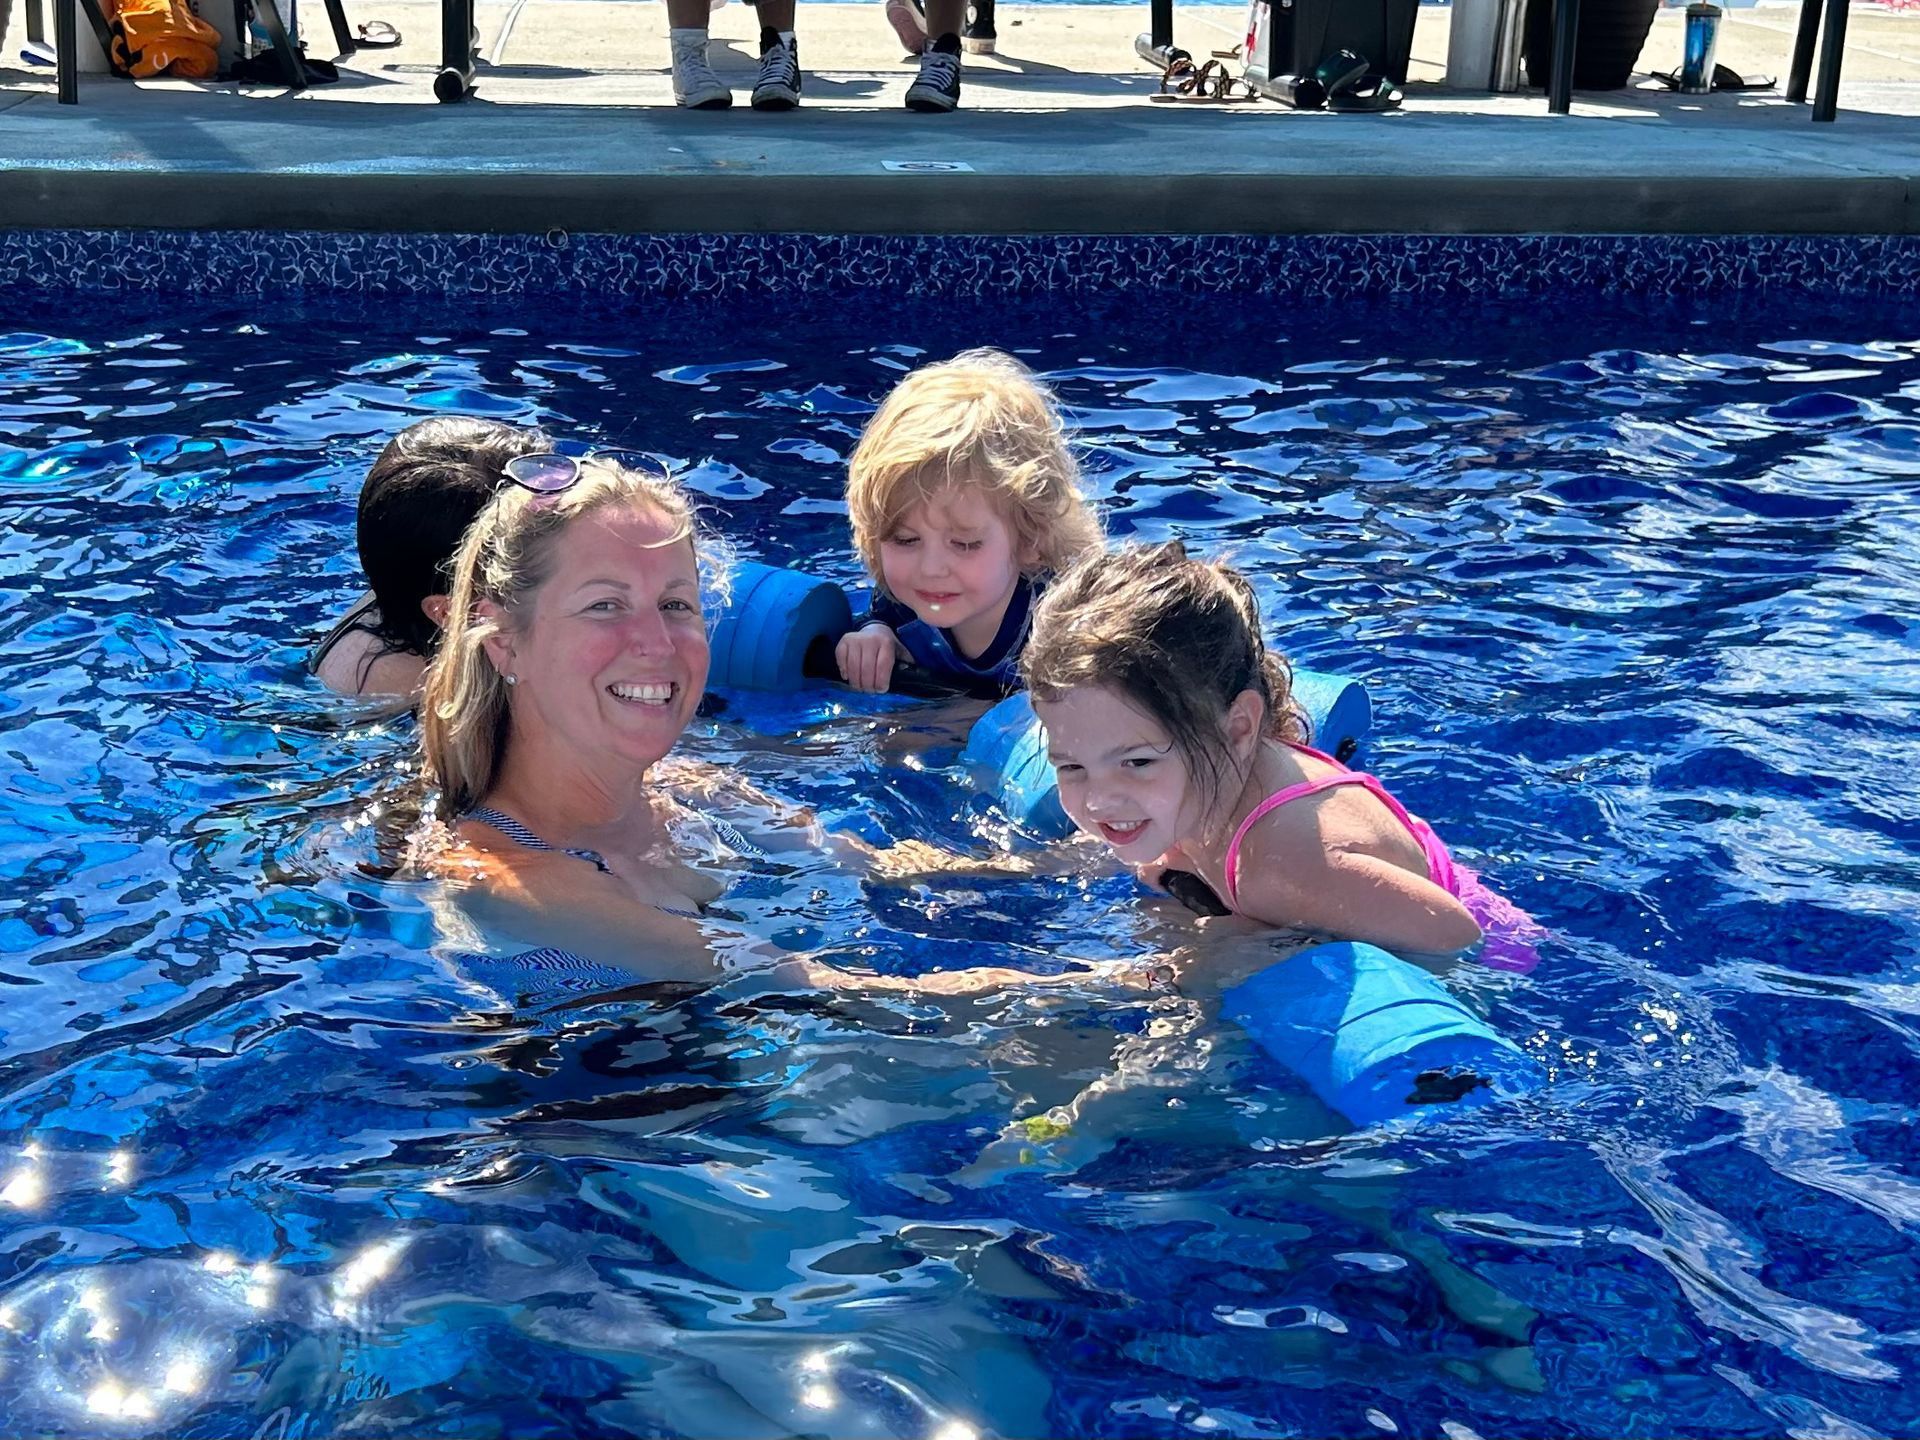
[{"x": 230, "y": 263}]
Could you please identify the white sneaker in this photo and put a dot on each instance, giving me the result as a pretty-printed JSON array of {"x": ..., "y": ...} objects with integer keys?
[
  {"x": 909, "y": 23},
  {"x": 695, "y": 86}
]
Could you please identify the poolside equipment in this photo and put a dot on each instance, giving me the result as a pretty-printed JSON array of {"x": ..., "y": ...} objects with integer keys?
[
  {"x": 1375, "y": 1037},
  {"x": 1290, "y": 39},
  {"x": 1007, "y": 747},
  {"x": 775, "y": 628}
]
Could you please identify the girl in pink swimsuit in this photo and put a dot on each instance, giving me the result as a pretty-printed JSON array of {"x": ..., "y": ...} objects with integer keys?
[{"x": 1175, "y": 741}]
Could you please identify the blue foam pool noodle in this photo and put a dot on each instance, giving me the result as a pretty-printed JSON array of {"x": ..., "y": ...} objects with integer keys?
[
  {"x": 1375, "y": 1037},
  {"x": 1339, "y": 711},
  {"x": 771, "y": 620},
  {"x": 1007, "y": 750}
]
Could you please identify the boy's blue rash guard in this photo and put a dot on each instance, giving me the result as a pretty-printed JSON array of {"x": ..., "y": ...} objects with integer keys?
[{"x": 995, "y": 671}]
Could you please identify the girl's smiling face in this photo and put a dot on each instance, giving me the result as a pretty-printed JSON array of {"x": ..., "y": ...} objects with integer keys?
[
  {"x": 610, "y": 654},
  {"x": 1121, "y": 777}
]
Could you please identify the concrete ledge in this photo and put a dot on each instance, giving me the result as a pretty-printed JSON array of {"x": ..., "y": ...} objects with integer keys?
[
  {"x": 574, "y": 129},
  {"x": 1205, "y": 204}
]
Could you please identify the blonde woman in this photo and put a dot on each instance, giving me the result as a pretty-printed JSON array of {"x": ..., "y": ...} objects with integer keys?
[{"x": 574, "y": 656}]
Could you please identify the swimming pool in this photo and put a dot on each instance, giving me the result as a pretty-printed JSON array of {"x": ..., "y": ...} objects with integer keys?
[{"x": 1637, "y": 593}]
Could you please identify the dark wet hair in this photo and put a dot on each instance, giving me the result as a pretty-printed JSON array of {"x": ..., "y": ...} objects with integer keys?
[
  {"x": 418, "y": 500},
  {"x": 1177, "y": 637}
]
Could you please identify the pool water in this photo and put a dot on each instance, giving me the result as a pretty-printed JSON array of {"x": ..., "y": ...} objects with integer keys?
[{"x": 1638, "y": 596}]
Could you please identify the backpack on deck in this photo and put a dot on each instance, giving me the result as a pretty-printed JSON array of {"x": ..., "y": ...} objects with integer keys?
[{"x": 153, "y": 37}]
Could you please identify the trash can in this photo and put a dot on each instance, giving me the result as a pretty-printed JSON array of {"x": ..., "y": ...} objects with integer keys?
[{"x": 1307, "y": 31}]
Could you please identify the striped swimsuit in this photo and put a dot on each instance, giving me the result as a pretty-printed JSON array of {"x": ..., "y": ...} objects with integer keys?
[{"x": 521, "y": 835}]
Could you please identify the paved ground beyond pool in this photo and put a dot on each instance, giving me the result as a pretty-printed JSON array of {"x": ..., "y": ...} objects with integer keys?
[{"x": 573, "y": 127}]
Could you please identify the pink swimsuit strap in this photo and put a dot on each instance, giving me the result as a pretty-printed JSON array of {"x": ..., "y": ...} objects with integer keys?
[{"x": 1439, "y": 869}]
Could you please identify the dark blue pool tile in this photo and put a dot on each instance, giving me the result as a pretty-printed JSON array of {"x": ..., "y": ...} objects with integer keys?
[{"x": 1304, "y": 267}]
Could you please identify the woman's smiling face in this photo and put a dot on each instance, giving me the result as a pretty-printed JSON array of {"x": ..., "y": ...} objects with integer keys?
[{"x": 610, "y": 653}]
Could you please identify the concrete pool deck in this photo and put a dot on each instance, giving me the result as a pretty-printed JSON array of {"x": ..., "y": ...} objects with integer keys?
[{"x": 572, "y": 127}]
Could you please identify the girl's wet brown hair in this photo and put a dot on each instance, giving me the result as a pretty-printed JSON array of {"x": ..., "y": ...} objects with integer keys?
[{"x": 1178, "y": 638}]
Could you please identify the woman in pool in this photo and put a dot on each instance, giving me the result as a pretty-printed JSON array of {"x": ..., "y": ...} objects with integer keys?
[
  {"x": 1175, "y": 741},
  {"x": 418, "y": 500},
  {"x": 574, "y": 655}
]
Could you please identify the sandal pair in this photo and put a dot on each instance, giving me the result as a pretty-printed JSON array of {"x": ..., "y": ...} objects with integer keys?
[{"x": 1208, "y": 84}]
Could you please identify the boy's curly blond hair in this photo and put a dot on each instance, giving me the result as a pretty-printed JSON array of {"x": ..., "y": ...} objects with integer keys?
[{"x": 979, "y": 419}]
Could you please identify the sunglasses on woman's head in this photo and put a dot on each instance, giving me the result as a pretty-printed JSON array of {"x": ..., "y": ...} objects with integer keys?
[{"x": 551, "y": 472}]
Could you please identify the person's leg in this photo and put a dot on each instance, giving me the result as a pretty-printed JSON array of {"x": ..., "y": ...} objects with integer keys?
[
  {"x": 695, "y": 86},
  {"x": 936, "y": 89},
  {"x": 779, "y": 85},
  {"x": 944, "y": 18}
]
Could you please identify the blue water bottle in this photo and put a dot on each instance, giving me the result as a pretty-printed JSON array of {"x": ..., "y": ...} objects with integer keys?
[{"x": 1696, "y": 60}]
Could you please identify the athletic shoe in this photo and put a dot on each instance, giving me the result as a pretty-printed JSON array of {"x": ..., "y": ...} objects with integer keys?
[
  {"x": 936, "y": 89},
  {"x": 979, "y": 36},
  {"x": 778, "y": 87},
  {"x": 695, "y": 86},
  {"x": 909, "y": 22}
]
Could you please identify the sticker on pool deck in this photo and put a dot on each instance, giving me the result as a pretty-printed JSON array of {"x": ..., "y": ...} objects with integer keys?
[{"x": 927, "y": 167}]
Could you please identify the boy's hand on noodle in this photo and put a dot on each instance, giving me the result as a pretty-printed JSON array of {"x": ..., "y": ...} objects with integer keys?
[{"x": 866, "y": 658}]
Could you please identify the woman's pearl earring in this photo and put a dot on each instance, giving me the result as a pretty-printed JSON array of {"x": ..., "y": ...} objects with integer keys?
[{"x": 511, "y": 679}]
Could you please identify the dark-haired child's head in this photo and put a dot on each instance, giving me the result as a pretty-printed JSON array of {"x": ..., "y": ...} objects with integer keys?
[
  {"x": 1149, "y": 669},
  {"x": 419, "y": 498}
]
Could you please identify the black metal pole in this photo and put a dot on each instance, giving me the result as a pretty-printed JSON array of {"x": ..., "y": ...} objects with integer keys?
[
  {"x": 1803, "y": 41},
  {"x": 1566, "y": 26},
  {"x": 455, "y": 80},
  {"x": 342, "y": 32},
  {"x": 1161, "y": 23},
  {"x": 66, "y": 51},
  {"x": 283, "y": 47},
  {"x": 1826, "y": 96}
]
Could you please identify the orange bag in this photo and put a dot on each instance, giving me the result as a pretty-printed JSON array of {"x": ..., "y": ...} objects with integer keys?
[{"x": 151, "y": 37}]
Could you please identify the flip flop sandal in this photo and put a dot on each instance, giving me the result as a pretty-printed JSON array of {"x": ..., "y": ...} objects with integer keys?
[
  {"x": 1209, "y": 84},
  {"x": 1372, "y": 93},
  {"x": 376, "y": 35},
  {"x": 1179, "y": 78},
  {"x": 1342, "y": 70}
]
